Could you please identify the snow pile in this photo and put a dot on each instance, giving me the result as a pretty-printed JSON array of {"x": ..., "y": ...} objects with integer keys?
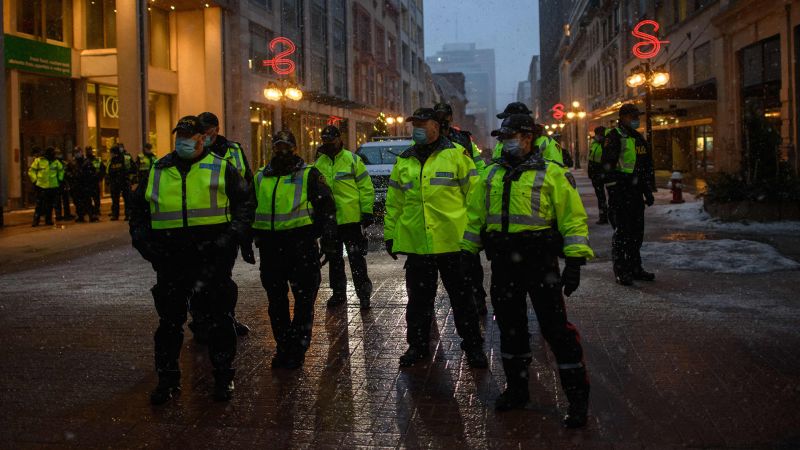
[
  {"x": 692, "y": 215},
  {"x": 720, "y": 256}
]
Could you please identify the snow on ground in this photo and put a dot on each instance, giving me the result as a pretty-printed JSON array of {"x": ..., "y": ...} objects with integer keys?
[
  {"x": 691, "y": 214},
  {"x": 720, "y": 256}
]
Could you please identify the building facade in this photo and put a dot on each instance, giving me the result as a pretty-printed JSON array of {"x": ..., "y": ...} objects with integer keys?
[
  {"x": 478, "y": 67},
  {"x": 101, "y": 72},
  {"x": 731, "y": 101}
]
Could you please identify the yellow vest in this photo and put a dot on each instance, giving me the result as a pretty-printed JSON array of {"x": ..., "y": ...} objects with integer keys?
[
  {"x": 234, "y": 154},
  {"x": 283, "y": 201},
  {"x": 46, "y": 174},
  {"x": 627, "y": 154},
  {"x": 196, "y": 200}
]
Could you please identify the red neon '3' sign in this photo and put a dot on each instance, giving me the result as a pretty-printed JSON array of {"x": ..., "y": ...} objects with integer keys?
[
  {"x": 280, "y": 64},
  {"x": 648, "y": 40}
]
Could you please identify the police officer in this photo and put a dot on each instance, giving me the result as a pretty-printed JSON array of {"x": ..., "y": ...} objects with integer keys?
[
  {"x": 525, "y": 211},
  {"x": 232, "y": 151},
  {"x": 98, "y": 173},
  {"x": 295, "y": 207},
  {"x": 629, "y": 180},
  {"x": 425, "y": 217},
  {"x": 144, "y": 162},
  {"x": 464, "y": 139},
  {"x": 354, "y": 194},
  {"x": 118, "y": 176},
  {"x": 46, "y": 173},
  {"x": 596, "y": 173},
  {"x": 547, "y": 147},
  {"x": 187, "y": 221},
  {"x": 83, "y": 177},
  {"x": 511, "y": 108},
  {"x": 62, "y": 200}
]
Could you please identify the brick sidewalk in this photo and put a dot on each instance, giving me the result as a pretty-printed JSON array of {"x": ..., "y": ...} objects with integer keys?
[{"x": 695, "y": 359}]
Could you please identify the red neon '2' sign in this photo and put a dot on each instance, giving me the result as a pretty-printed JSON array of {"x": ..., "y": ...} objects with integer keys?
[
  {"x": 280, "y": 64},
  {"x": 648, "y": 40},
  {"x": 558, "y": 111}
]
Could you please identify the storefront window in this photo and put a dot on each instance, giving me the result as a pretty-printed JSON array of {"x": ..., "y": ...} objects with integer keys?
[
  {"x": 103, "y": 118},
  {"x": 363, "y": 131},
  {"x": 311, "y": 139},
  {"x": 704, "y": 148},
  {"x": 101, "y": 24},
  {"x": 159, "y": 37},
  {"x": 159, "y": 132},
  {"x": 261, "y": 132}
]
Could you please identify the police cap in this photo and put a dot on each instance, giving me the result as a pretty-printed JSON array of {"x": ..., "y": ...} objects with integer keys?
[
  {"x": 515, "y": 123},
  {"x": 514, "y": 108},
  {"x": 190, "y": 125}
]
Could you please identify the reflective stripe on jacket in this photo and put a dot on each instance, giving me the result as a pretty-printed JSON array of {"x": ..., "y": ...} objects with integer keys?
[
  {"x": 46, "y": 174},
  {"x": 352, "y": 187},
  {"x": 627, "y": 155},
  {"x": 283, "y": 202}
]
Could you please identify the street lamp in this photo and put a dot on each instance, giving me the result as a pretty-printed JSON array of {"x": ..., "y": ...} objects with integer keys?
[
  {"x": 275, "y": 93},
  {"x": 642, "y": 75},
  {"x": 395, "y": 121},
  {"x": 576, "y": 113}
]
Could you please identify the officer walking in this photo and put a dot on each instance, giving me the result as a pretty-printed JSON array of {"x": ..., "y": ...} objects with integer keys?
[
  {"x": 295, "y": 207},
  {"x": 232, "y": 151},
  {"x": 187, "y": 221},
  {"x": 354, "y": 194},
  {"x": 98, "y": 174},
  {"x": 629, "y": 180},
  {"x": 597, "y": 174},
  {"x": 46, "y": 173},
  {"x": 525, "y": 211},
  {"x": 464, "y": 139},
  {"x": 144, "y": 162},
  {"x": 425, "y": 217},
  {"x": 119, "y": 170}
]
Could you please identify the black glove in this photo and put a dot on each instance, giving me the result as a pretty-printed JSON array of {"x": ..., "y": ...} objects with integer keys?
[
  {"x": 389, "y": 244},
  {"x": 246, "y": 248},
  {"x": 329, "y": 247},
  {"x": 571, "y": 276},
  {"x": 648, "y": 198},
  {"x": 367, "y": 219}
]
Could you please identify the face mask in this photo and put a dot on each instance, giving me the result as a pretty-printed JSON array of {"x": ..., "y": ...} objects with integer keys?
[
  {"x": 635, "y": 124},
  {"x": 207, "y": 141},
  {"x": 512, "y": 148},
  {"x": 419, "y": 135},
  {"x": 185, "y": 147}
]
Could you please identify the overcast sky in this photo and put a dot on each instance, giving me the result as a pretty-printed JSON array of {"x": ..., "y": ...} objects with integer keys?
[{"x": 510, "y": 27}]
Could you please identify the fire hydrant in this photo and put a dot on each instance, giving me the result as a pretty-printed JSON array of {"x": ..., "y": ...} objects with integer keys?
[{"x": 676, "y": 186}]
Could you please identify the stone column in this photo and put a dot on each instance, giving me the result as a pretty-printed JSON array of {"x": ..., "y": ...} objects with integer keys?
[{"x": 132, "y": 62}]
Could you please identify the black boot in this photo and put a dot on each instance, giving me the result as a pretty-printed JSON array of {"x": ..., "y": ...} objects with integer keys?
[
  {"x": 336, "y": 300},
  {"x": 413, "y": 355},
  {"x": 643, "y": 275},
  {"x": 603, "y": 219},
  {"x": 576, "y": 388},
  {"x": 223, "y": 384},
  {"x": 516, "y": 395},
  {"x": 241, "y": 329},
  {"x": 624, "y": 278},
  {"x": 481, "y": 304},
  {"x": 476, "y": 358},
  {"x": 169, "y": 386}
]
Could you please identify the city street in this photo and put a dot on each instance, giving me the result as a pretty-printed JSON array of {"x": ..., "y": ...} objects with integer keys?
[{"x": 699, "y": 358}]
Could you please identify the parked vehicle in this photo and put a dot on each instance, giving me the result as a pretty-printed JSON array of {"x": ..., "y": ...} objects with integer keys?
[{"x": 379, "y": 156}]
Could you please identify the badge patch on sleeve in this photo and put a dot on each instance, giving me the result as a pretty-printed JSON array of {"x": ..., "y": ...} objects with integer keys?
[{"x": 571, "y": 180}]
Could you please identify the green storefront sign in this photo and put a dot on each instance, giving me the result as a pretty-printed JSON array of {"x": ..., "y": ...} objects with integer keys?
[{"x": 39, "y": 57}]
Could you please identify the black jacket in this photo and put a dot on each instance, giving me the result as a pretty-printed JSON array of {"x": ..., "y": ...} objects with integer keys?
[
  {"x": 320, "y": 196},
  {"x": 643, "y": 176},
  {"x": 220, "y": 148},
  {"x": 241, "y": 213}
]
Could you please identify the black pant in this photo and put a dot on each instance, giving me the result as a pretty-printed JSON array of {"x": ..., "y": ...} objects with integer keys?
[
  {"x": 120, "y": 188},
  {"x": 627, "y": 217},
  {"x": 285, "y": 263},
  {"x": 598, "y": 183},
  {"x": 513, "y": 279},
  {"x": 204, "y": 269},
  {"x": 62, "y": 202},
  {"x": 421, "y": 284},
  {"x": 82, "y": 202},
  {"x": 94, "y": 199},
  {"x": 45, "y": 202},
  {"x": 356, "y": 243},
  {"x": 476, "y": 278}
]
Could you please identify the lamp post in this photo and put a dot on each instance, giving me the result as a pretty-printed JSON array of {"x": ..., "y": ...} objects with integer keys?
[
  {"x": 576, "y": 113},
  {"x": 280, "y": 92},
  {"x": 642, "y": 75}
]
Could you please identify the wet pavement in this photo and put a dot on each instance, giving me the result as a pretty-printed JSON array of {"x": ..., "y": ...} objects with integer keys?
[{"x": 697, "y": 359}]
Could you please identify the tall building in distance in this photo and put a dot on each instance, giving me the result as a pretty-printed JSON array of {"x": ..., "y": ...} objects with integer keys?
[
  {"x": 477, "y": 65},
  {"x": 553, "y": 16},
  {"x": 528, "y": 90}
]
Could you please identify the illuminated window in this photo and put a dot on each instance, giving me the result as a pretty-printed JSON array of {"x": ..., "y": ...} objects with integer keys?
[
  {"x": 158, "y": 24},
  {"x": 101, "y": 24}
]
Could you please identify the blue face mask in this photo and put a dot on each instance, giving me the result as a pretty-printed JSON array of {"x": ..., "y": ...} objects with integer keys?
[
  {"x": 185, "y": 147},
  {"x": 512, "y": 148},
  {"x": 207, "y": 141},
  {"x": 419, "y": 135},
  {"x": 635, "y": 124}
]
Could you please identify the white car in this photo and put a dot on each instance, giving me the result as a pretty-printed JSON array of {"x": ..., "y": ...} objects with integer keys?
[{"x": 379, "y": 156}]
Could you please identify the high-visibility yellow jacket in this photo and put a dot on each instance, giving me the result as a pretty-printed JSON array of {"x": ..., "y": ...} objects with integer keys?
[
  {"x": 352, "y": 187},
  {"x": 283, "y": 202},
  {"x": 195, "y": 198},
  {"x": 235, "y": 155},
  {"x": 596, "y": 153},
  {"x": 46, "y": 174},
  {"x": 542, "y": 197},
  {"x": 145, "y": 161},
  {"x": 464, "y": 140},
  {"x": 426, "y": 204},
  {"x": 627, "y": 157},
  {"x": 547, "y": 148}
]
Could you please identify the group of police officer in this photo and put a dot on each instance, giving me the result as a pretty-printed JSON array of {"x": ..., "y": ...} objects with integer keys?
[{"x": 199, "y": 205}]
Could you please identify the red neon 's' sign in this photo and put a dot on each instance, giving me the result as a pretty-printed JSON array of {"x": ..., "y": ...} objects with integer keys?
[
  {"x": 558, "y": 111},
  {"x": 648, "y": 40},
  {"x": 334, "y": 120},
  {"x": 280, "y": 64}
]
